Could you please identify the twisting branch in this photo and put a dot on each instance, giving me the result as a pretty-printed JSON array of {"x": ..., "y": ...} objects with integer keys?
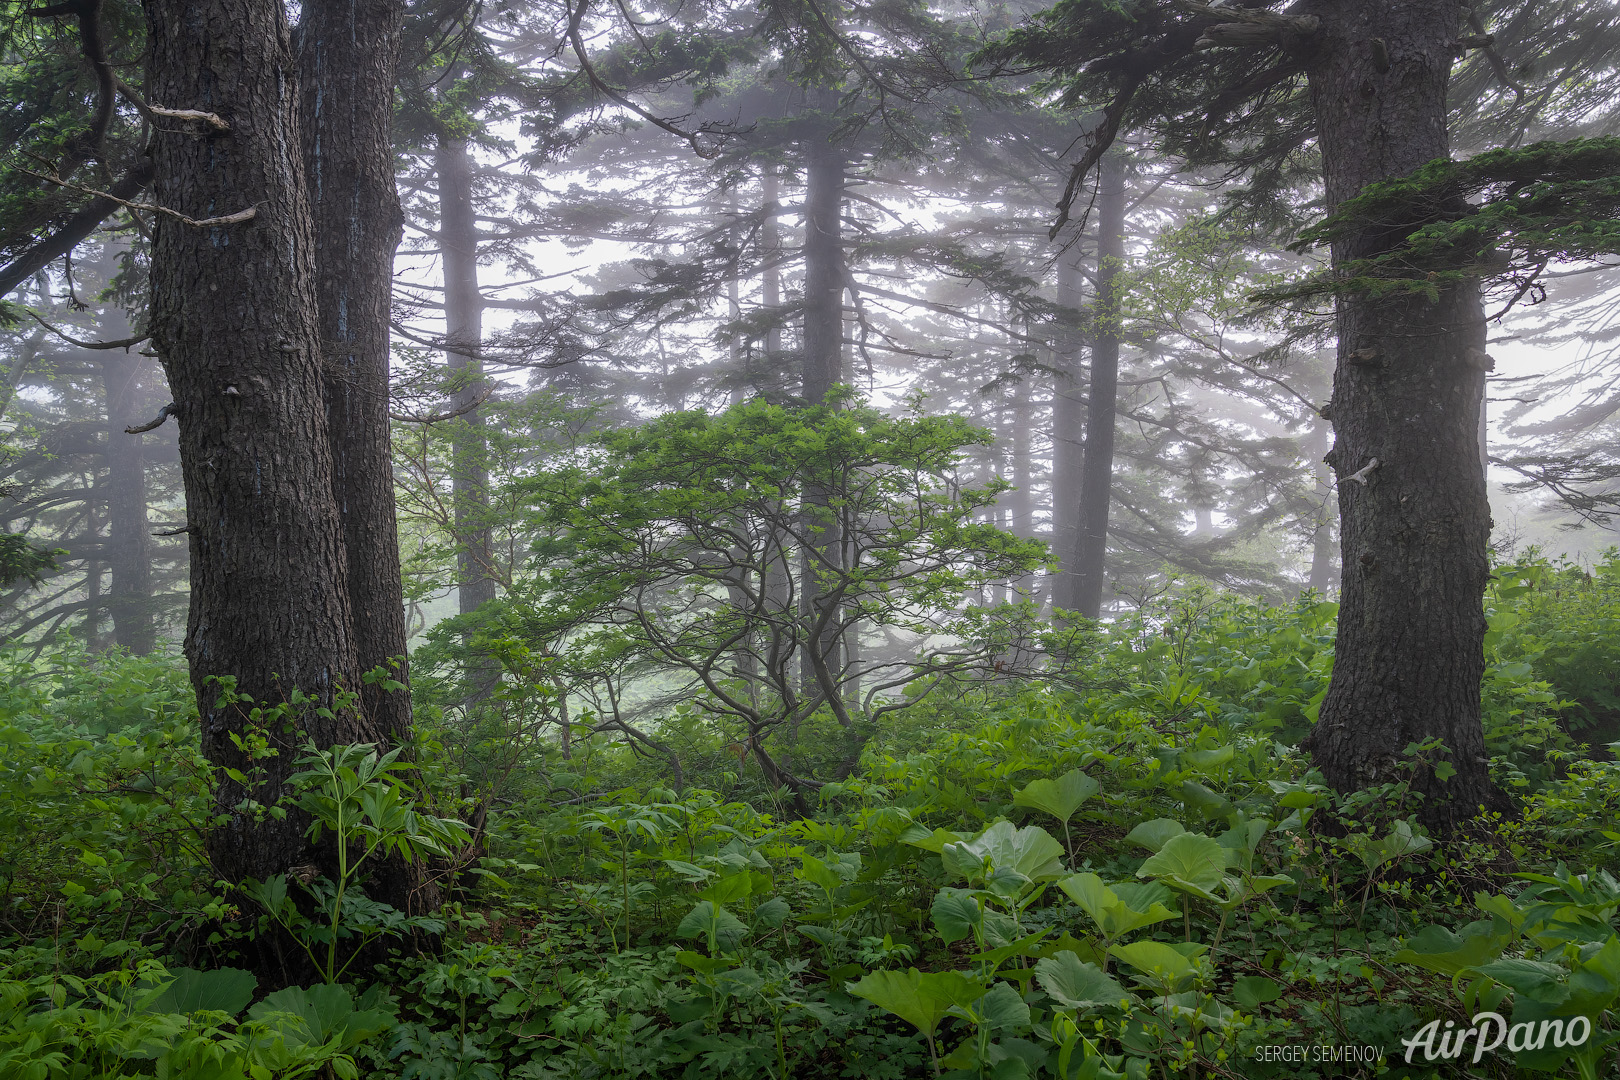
[
  {"x": 202, "y": 223},
  {"x": 158, "y": 112},
  {"x": 156, "y": 422},
  {"x": 121, "y": 343},
  {"x": 1102, "y": 138}
]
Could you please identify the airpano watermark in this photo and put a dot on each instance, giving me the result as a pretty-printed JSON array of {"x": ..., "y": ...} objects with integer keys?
[{"x": 1448, "y": 1042}]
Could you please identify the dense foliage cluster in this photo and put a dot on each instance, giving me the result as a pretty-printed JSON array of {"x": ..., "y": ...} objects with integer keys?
[{"x": 1131, "y": 872}]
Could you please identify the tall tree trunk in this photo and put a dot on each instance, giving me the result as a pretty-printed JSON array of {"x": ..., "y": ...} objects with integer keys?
[
  {"x": 1097, "y": 473},
  {"x": 822, "y": 342},
  {"x": 1406, "y": 393},
  {"x": 770, "y": 241},
  {"x": 347, "y": 55},
  {"x": 235, "y": 321},
  {"x": 464, "y": 333},
  {"x": 1068, "y": 437}
]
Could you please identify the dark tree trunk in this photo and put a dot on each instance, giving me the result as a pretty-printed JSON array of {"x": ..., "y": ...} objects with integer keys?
[
  {"x": 463, "y": 332},
  {"x": 1406, "y": 393},
  {"x": 234, "y": 319},
  {"x": 1068, "y": 439},
  {"x": 129, "y": 541},
  {"x": 1097, "y": 472},
  {"x": 823, "y": 345},
  {"x": 347, "y": 55}
]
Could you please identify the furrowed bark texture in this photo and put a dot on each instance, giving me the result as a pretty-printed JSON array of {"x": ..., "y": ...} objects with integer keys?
[
  {"x": 234, "y": 319},
  {"x": 1409, "y": 652},
  {"x": 348, "y": 51},
  {"x": 1097, "y": 470}
]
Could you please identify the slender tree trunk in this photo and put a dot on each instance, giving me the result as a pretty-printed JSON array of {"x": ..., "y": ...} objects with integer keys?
[
  {"x": 1068, "y": 438},
  {"x": 464, "y": 314},
  {"x": 1406, "y": 393},
  {"x": 823, "y": 368},
  {"x": 1324, "y": 576},
  {"x": 770, "y": 240},
  {"x": 1097, "y": 473},
  {"x": 348, "y": 50},
  {"x": 129, "y": 541},
  {"x": 235, "y": 320}
]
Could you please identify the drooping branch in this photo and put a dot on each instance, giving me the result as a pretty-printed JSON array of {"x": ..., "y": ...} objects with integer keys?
[
  {"x": 77, "y": 227},
  {"x": 121, "y": 343},
  {"x": 484, "y": 394},
  {"x": 156, "y": 422}
]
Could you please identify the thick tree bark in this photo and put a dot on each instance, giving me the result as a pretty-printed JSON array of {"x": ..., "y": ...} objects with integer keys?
[
  {"x": 1097, "y": 472},
  {"x": 464, "y": 315},
  {"x": 235, "y": 320},
  {"x": 1413, "y": 513},
  {"x": 348, "y": 51},
  {"x": 1068, "y": 439}
]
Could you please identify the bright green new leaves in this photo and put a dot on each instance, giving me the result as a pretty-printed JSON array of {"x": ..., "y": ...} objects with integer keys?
[
  {"x": 1077, "y": 984},
  {"x": 922, "y": 1000},
  {"x": 1117, "y": 910},
  {"x": 1154, "y": 834},
  {"x": 1059, "y": 798},
  {"x": 1164, "y": 966}
]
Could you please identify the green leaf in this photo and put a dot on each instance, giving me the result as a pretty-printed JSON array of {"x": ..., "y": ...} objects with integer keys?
[
  {"x": 1109, "y": 907},
  {"x": 222, "y": 989},
  {"x": 1154, "y": 834},
  {"x": 1190, "y": 862},
  {"x": 920, "y": 1000},
  {"x": 1077, "y": 984},
  {"x": 956, "y": 912},
  {"x": 1400, "y": 843},
  {"x": 322, "y": 1015},
  {"x": 710, "y": 920},
  {"x": 1059, "y": 798},
  {"x": 1159, "y": 959},
  {"x": 1439, "y": 949},
  {"x": 1252, "y": 991},
  {"x": 1030, "y": 851}
]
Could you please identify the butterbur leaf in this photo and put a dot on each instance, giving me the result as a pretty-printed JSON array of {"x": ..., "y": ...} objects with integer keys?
[
  {"x": 1154, "y": 834},
  {"x": 1252, "y": 991},
  {"x": 1077, "y": 984},
  {"x": 1189, "y": 862},
  {"x": 1030, "y": 851},
  {"x": 956, "y": 912},
  {"x": 1441, "y": 950},
  {"x": 222, "y": 989},
  {"x": 322, "y": 1015},
  {"x": 935, "y": 840},
  {"x": 920, "y": 1000},
  {"x": 771, "y": 913},
  {"x": 1002, "y": 1008},
  {"x": 1109, "y": 908},
  {"x": 1059, "y": 798}
]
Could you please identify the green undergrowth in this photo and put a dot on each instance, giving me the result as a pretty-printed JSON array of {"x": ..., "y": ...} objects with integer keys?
[{"x": 1123, "y": 874}]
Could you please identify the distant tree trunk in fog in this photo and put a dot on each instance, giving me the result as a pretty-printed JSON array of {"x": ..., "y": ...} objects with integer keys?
[
  {"x": 129, "y": 541},
  {"x": 347, "y": 56},
  {"x": 1097, "y": 473},
  {"x": 1068, "y": 438},
  {"x": 463, "y": 316},
  {"x": 235, "y": 320},
  {"x": 1324, "y": 575},
  {"x": 823, "y": 345},
  {"x": 1203, "y": 520},
  {"x": 770, "y": 241},
  {"x": 1020, "y": 501}
]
